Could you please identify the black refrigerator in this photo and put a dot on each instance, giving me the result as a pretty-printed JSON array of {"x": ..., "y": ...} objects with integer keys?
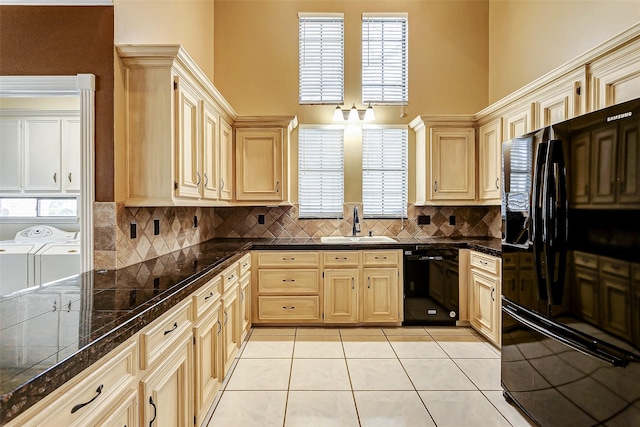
[{"x": 571, "y": 270}]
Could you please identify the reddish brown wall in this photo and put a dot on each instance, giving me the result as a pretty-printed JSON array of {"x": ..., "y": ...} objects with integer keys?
[{"x": 67, "y": 40}]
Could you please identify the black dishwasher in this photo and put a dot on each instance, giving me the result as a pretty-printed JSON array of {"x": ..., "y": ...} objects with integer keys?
[{"x": 431, "y": 286}]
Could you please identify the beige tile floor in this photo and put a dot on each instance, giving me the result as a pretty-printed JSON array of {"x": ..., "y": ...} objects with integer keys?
[{"x": 386, "y": 377}]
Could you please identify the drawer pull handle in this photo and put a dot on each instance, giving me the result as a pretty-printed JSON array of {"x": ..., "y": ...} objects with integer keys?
[
  {"x": 289, "y": 280},
  {"x": 209, "y": 296},
  {"x": 231, "y": 277},
  {"x": 341, "y": 258},
  {"x": 483, "y": 262},
  {"x": 175, "y": 326},
  {"x": 82, "y": 405},
  {"x": 155, "y": 411},
  {"x": 288, "y": 259},
  {"x": 381, "y": 257},
  {"x": 291, "y": 307},
  {"x": 244, "y": 265}
]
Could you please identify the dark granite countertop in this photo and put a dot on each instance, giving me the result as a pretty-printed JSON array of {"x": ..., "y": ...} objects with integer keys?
[{"x": 51, "y": 333}]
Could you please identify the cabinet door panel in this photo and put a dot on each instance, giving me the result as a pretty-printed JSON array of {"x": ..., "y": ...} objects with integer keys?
[
  {"x": 187, "y": 121},
  {"x": 453, "y": 164},
  {"x": 616, "y": 304},
  {"x": 43, "y": 142},
  {"x": 10, "y": 155},
  {"x": 210, "y": 154},
  {"x": 484, "y": 307},
  {"x": 381, "y": 295},
  {"x": 603, "y": 161},
  {"x": 226, "y": 161},
  {"x": 490, "y": 160},
  {"x": 341, "y": 295},
  {"x": 259, "y": 164},
  {"x": 72, "y": 153},
  {"x": 208, "y": 361},
  {"x": 587, "y": 297},
  {"x": 166, "y": 391}
]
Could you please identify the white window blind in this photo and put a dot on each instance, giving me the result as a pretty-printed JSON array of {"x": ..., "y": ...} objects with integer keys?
[
  {"x": 321, "y": 44},
  {"x": 384, "y": 173},
  {"x": 321, "y": 172},
  {"x": 384, "y": 59}
]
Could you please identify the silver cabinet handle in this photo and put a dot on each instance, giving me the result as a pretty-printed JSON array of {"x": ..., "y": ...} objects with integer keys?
[
  {"x": 288, "y": 259},
  {"x": 497, "y": 183},
  {"x": 353, "y": 283},
  {"x": 208, "y": 296},
  {"x": 55, "y": 177},
  {"x": 206, "y": 180},
  {"x": 221, "y": 183},
  {"x": 219, "y": 326},
  {"x": 483, "y": 262},
  {"x": 291, "y": 307},
  {"x": 380, "y": 257},
  {"x": 435, "y": 185},
  {"x": 277, "y": 186},
  {"x": 69, "y": 176},
  {"x": 241, "y": 296},
  {"x": 369, "y": 282},
  {"x": 289, "y": 280},
  {"x": 493, "y": 294},
  {"x": 226, "y": 317},
  {"x": 198, "y": 176}
]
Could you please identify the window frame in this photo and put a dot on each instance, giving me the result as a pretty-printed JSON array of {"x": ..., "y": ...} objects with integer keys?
[
  {"x": 371, "y": 17},
  {"x": 405, "y": 171},
  {"x": 337, "y": 214},
  {"x": 302, "y": 48}
]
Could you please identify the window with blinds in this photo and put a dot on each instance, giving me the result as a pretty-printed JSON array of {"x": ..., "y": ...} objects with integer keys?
[
  {"x": 384, "y": 173},
  {"x": 321, "y": 56},
  {"x": 320, "y": 172},
  {"x": 384, "y": 59}
]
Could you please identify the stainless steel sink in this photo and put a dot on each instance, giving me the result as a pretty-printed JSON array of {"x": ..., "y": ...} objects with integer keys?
[{"x": 357, "y": 239}]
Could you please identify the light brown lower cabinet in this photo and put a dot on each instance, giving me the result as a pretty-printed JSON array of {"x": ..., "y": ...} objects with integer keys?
[
  {"x": 230, "y": 325},
  {"x": 341, "y": 295},
  {"x": 166, "y": 390},
  {"x": 208, "y": 374},
  {"x": 381, "y": 295},
  {"x": 485, "y": 289}
]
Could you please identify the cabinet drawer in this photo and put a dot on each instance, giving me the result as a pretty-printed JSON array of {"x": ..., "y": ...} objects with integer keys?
[
  {"x": 284, "y": 309},
  {"x": 339, "y": 258},
  {"x": 614, "y": 266},
  {"x": 485, "y": 263},
  {"x": 585, "y": 259},
  {"x": 287, "y": 281},
  {"x": 208, "y": 294},
  {"x": 380, "y": 257},
  {"x": 162, "y": 334},
  {"x": 229, "y": 275},
  {"x": 525, "y": 260},
  {"x": 244, "y": 264},
  {"x": 284, "y": 259},
  {"x": 94, "y": 394}
]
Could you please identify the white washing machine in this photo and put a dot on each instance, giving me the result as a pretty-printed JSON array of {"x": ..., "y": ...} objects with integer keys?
[{"x": 17, "y": 256}]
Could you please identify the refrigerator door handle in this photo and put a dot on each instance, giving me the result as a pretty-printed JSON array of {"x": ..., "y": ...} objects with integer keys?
[
  {"x": 554, "y": 217},
  {"x": 595, "y": 352},
  {"x": 537, "y": 200}
]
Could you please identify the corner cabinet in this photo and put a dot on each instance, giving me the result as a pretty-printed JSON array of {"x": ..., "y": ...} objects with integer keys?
[
  {"x": 262, "y": 159},
  {"x": 178, "y": 138}
]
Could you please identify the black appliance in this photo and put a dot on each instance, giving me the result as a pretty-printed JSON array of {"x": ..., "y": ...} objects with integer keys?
[
  {"x": 431, "y": 286},
  {"x": 571, "y": 270}
]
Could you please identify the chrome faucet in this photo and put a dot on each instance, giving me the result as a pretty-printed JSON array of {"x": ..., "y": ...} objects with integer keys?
[{"x": 356, "y": 222}]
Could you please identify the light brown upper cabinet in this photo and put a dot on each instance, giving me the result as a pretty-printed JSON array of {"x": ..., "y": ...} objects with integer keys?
[
  {"x": 445, "y": 159},
  {"x": 177, "y": 138},
  {"x": 615, "y": 78},
  {"x": 262, "y": 159},
  {"x": 490, "y": 160}
]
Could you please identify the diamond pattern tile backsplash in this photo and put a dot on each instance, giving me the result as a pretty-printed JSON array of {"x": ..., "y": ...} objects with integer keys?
[
  {"x": 470, "y": 221},
  {"x": 114, "y": 247}
]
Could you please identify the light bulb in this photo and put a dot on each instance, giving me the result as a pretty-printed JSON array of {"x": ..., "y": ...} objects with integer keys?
[{"x": 337, "y": 114}]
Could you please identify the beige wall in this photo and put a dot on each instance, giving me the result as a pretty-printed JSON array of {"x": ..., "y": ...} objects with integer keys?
[
  {"x": 256, "y": 65},
  {"x": 256, "y": 55},
  {"x": 185, "y": 22},
  {"x": 527, "y": 39}
]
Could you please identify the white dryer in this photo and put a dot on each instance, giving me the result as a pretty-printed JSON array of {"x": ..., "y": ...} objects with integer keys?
[
  {"x": 56, "y": 261},
  {"x": 17, "y": 256}
]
